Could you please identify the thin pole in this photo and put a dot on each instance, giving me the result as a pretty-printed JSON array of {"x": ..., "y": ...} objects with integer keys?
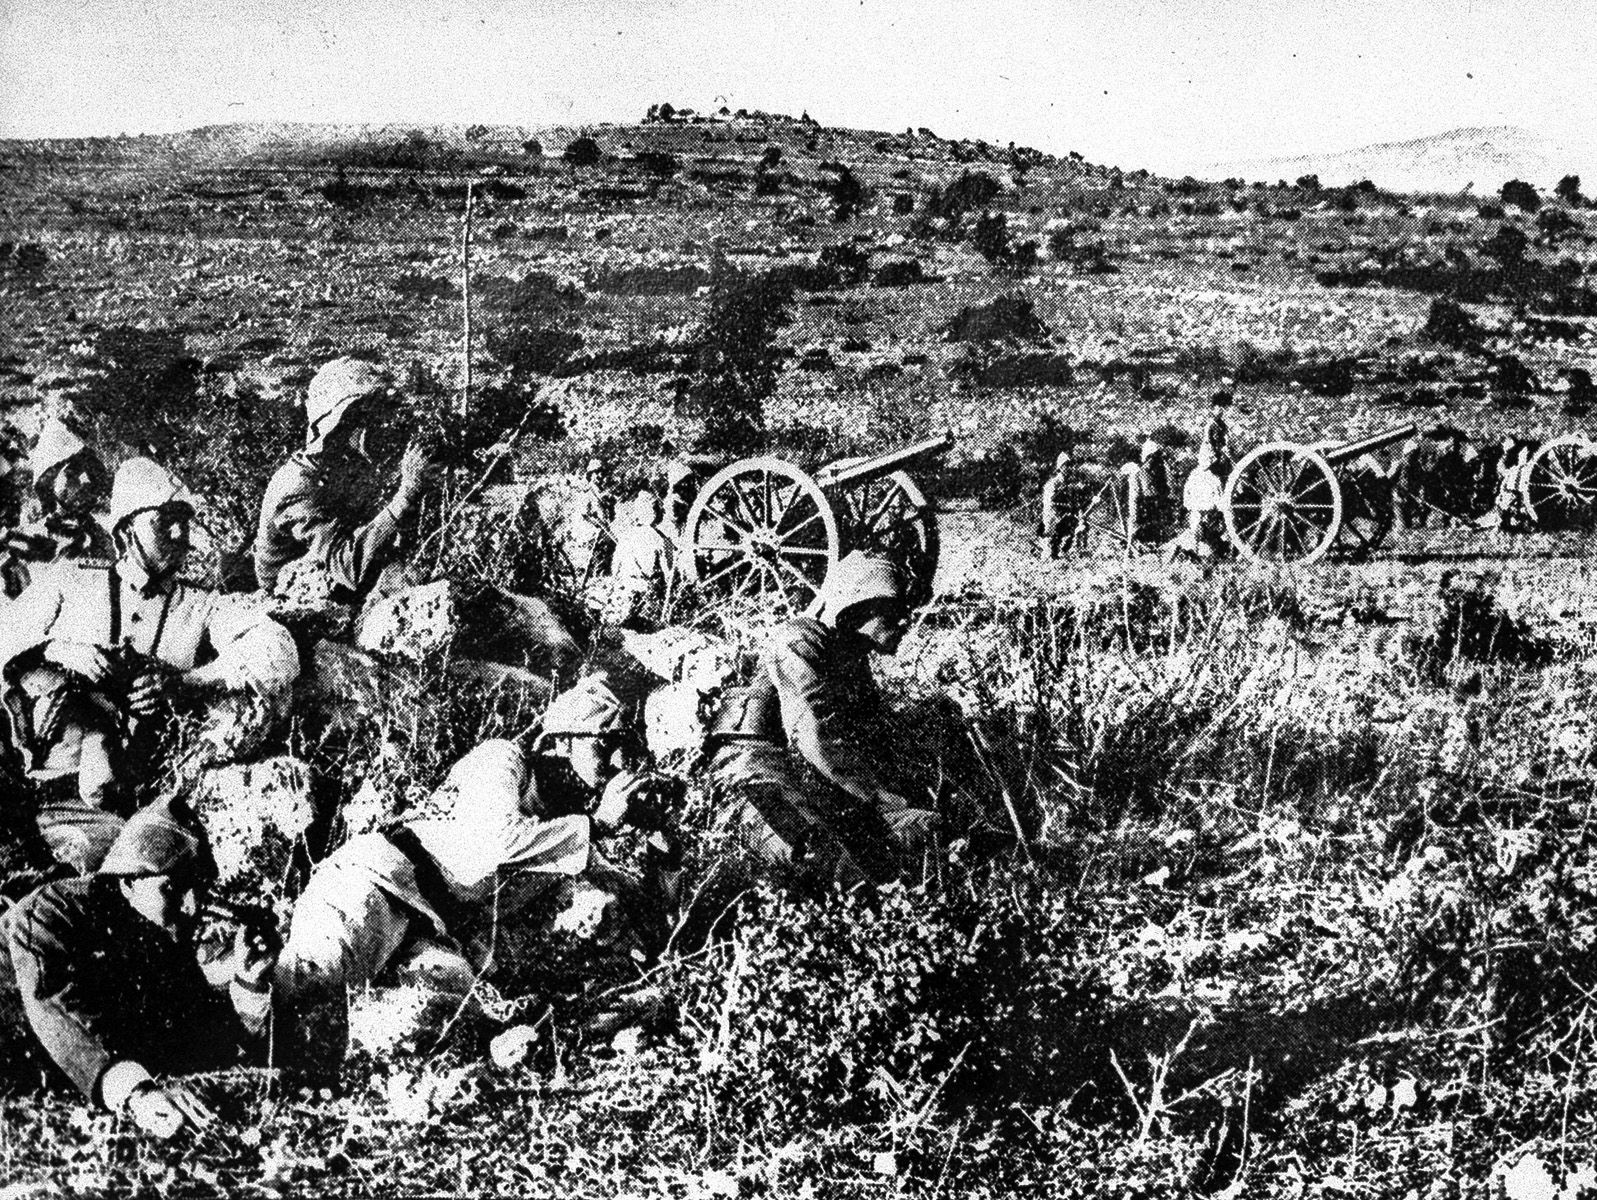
[{"x": 465, "y": 293}]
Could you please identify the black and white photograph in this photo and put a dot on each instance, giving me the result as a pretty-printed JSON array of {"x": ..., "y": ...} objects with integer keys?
[{"x": 801, "y": 600}]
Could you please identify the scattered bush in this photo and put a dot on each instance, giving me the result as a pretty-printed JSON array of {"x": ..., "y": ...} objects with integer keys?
[
  {"x": 582, "y": 152},
  {"x": 1005, "y": 317},
  {"x": 902, "y": 272},
  {"x": 26, "y": 259},
  {"x": 848, "y": 194},
  {"x": 1568, "y": 190},
  {"x": 657, "y": 162},
  {"x": 424, "y": 288},
  {"x": 1452, "y": 325},
  {"x": 1521, "y": 195},
  {"x": 1553, "y": 223},
  {"x": 532, "y": 349},
  {"x": 533, "y": 295}
]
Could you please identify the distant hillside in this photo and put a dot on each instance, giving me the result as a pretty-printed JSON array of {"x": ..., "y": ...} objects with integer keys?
[{"x": 1445, "y": 162}]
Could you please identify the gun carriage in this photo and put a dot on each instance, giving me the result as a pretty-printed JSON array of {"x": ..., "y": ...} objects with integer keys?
[
  {"x": 766, "y": 531},
  {"x": 1295, "y": 502}
]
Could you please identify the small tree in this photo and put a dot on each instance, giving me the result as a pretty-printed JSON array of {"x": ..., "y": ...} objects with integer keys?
[
  {"x": 735, "y": 367},
  {"x": 1568, "y": 190},
  {"x": 846, "y": 191},
  {"x": 532, "y": 148},
  {"x": 1520, "y": 194},
  {"x": 1308, "y": 183}
]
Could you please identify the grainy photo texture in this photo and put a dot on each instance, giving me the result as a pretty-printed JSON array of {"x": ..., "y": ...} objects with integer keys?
[{"x": 839, "y": 600}]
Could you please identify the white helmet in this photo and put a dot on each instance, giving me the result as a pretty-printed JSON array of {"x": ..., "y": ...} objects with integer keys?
[
  {"x": 335, "y": 388},
  {"x": 143, "y": 483}
]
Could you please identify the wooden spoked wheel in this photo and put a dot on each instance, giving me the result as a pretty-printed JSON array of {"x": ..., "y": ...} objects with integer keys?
[
  {"x": 1283, "y": 504},
  {"x": 761, "y": 531},
  {"x": 1107, "y": 516},
  {"x": 1559, "y": 484},
  {"x": 891, "y": 516}
]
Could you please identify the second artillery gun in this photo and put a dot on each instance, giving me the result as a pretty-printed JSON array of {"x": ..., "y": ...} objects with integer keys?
[{"x": 1293, "y": 502}]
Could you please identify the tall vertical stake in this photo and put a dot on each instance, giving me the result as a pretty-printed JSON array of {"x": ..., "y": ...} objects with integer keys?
[{"x": 465, "y": 293}]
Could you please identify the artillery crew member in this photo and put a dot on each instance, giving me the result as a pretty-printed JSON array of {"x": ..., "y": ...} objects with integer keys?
[
  {"x": 1147, "y": 484},
  {"x": 69, "y": 487},
  {"x": 1062, "y": 516},
  {"x": 309, "y": 510},
  {"x": 112, "y": 984},
  {"x": 506, "y": 826},
  {"x": 815, "y": 695}
]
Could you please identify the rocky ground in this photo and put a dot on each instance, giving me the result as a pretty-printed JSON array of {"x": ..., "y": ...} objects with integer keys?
[{"x": 1304, "y": 900}]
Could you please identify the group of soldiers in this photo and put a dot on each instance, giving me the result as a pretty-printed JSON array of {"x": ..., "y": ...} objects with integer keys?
[
  {"x": 117, "y": 669},
  {"x": 1439, "y": 477}
]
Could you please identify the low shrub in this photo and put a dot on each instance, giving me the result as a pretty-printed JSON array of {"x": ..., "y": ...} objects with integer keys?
[{"x": 1003, "y": 318}]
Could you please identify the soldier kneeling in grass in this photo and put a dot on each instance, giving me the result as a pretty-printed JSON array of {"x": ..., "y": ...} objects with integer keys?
[
  {"x": 112, "y": 982},
  {"x": 424, "y": 901},
  {"x": 792, "y": 764}
]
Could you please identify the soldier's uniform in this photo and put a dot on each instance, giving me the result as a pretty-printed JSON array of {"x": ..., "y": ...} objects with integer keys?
[
  {"x": 1062, "y": 503},
  {"x": 427, "y": 900},
  {"x": 309, "y": 511}
]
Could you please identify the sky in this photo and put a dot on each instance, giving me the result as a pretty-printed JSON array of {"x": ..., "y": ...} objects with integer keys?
[{"x": 1163, "y": 84}]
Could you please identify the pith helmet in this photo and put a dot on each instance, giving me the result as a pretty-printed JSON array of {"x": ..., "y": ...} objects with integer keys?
[
  {"x": 859, "y": 578},
  {"x": 151, "y": 843},
  {"x": 143, "y": 483},
  {"x": 588, "y": 709},
  {"x": 336, "y": 387},
  {"x": 56, "y": 444},
  {"x": 1061, "y": 460}
]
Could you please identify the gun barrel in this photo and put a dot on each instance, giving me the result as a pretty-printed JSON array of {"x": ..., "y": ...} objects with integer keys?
[
  {"x": 841, "y": 474},
  {"x": 1344, "y": 452}
]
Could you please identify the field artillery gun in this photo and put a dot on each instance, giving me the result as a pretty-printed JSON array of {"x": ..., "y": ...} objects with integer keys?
[
  {"x": 1290, "y": 502},
  {"x": 765, "y": 531}
]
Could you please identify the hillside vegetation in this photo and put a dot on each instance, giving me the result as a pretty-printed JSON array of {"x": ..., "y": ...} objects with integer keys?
[{"x": 1302, "y": 897}]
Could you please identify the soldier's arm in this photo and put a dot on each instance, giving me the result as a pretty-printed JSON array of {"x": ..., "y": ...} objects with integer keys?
[
  {"x": 69, "y": 1014},
  {"x": 253, "y": 652},
  {"x": 352, "y": 554},
  {"x": 30, "y": 618},
  {"x": 816, "y": 718}
]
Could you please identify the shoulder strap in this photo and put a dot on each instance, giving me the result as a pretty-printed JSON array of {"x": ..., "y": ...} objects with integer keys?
[{"x": 114, "y": 582}]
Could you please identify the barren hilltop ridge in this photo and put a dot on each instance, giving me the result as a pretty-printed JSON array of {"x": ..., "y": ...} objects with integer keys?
[{"x": 1480, "y": 159}]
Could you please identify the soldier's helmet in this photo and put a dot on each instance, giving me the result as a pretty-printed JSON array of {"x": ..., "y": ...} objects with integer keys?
[
  {"x": 57, "y": 443},
  {"x": 857, "y": 579},
  {"x": 590, "y": 709},
  {"x": 152, "y": 843},
  {"x": 143, "y": 483},
  {"x": 335, "y": 388}
]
